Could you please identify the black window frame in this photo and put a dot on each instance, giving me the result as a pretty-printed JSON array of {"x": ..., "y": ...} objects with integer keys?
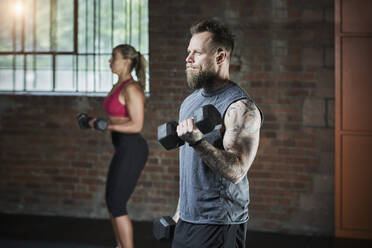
[{"x": 75, "y": 52}]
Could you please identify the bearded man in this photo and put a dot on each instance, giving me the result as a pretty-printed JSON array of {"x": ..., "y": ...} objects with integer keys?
[{"x": 214, "y": 191}]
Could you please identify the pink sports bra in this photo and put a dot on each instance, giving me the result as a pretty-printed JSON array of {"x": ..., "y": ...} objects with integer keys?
[{"x": 113, "y": 106}]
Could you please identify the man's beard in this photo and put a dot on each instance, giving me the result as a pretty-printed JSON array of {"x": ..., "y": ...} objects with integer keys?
[{"x": 201, "y": 79}]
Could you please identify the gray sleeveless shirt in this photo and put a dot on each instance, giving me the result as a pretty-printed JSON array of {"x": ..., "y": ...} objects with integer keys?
[{"x": 205, "y": 196}]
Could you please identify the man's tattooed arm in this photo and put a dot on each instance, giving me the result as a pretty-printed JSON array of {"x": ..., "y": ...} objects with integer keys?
[{"x": 242, "y": 127}]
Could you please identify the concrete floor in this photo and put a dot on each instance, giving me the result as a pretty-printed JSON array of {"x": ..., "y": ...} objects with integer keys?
[{"x": 24, "y": 231}]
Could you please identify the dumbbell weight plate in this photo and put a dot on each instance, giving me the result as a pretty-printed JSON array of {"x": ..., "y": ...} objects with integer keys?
[
  {"x": 167, "y": 135},
  {"x": 83, "y": 121},
  {"x": 207, "y": 118},
  {"x": 100, "y": 124}
]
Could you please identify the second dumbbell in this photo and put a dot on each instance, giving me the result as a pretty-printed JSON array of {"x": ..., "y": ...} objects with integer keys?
[{"x": 163, "y": 229}]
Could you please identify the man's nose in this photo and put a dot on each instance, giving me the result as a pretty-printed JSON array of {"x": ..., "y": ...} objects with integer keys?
[{"x": 189, "y": 58}]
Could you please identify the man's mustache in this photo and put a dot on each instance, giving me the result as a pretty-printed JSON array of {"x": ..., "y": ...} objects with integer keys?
[{"x": 192, "y": 67}]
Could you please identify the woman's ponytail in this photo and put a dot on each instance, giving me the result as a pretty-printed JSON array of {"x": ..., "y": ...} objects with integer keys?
[{"x": 140, "y": 68}]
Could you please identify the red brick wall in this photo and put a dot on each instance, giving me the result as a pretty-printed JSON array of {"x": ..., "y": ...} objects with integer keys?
[{"x": 283, "y": 58}]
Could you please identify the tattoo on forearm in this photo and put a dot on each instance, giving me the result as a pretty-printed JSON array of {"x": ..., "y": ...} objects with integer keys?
[{"x": 223, "y": 162}]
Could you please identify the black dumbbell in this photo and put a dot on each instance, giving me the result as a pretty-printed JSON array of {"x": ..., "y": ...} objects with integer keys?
[
  {"x": 167, "y": 135},
  {"x": 206, "y": 119},
  {"x": 83, "y": 120},
  {"x": 163, "y": 229}
]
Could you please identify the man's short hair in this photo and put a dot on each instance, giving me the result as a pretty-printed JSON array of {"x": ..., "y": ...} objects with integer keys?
[{"x": 221, "y": 35}]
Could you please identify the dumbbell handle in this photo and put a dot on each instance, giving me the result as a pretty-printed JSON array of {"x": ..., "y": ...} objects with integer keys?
[
  {"x": 99, "y": 124},
  {"x": 166, "y": 222}
]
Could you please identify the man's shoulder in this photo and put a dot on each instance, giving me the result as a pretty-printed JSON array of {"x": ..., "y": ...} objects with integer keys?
[
  {"x": 237, "y": 87},
  {"x": 190, "y": 97}
]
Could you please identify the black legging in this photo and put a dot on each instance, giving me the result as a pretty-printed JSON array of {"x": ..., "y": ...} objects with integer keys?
[{"x": 130, "y": 157}]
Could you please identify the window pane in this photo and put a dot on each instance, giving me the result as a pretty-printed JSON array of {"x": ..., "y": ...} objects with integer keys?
[
  {"x": 6, "y": 72},
  {"x": 82, "y": 22},
  {"x": 29, "y": 15},
  {"x": 65, "y": 73},
  {"x": 37, "y": 27},
  {"x": 120, "y": 30},
  {"x": 144, "y": 42},
  {"x": 65, "y": 25},
  {"x": 86, "y": 75},
  {"x": 86, "y": 26},
  {"x": 43, "y": 25},
  {"x": 82, "y": 75},
  {"x": 105, "y": 20},
  {"x": 147, "y": 85},
  {"x": 11, "y": 72},
  {"x": 6, "y": 25},
  {"x": 104, "y": 74},
  {"x": 39, "y": 73},
  {"x": 19, "y": 72},
  {"x": 135, "y": 24}
]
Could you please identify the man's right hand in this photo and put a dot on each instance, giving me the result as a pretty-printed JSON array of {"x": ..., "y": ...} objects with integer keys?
[{"x": 176, "y": 216}]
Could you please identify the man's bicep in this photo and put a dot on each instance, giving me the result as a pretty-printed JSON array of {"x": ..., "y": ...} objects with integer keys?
[
  {"x": 233, "y": 125},
  {"x": 249, "y": 144},
  {"x": 242, "y": 123}
]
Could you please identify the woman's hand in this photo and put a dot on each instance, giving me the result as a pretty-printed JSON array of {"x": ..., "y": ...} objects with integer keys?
[{"x": 91, "y": 123}]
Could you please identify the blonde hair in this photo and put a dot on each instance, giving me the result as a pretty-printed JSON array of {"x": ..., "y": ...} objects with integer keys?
[{"x": 138, "y": 61}]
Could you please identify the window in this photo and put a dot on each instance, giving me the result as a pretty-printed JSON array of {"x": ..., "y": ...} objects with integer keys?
[{"x": 64, "y": 46}]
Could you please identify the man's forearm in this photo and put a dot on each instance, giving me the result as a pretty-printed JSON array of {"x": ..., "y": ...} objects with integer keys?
[{"x": 227, "y": 164}]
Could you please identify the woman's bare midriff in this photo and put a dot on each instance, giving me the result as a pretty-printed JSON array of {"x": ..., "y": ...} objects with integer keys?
[{"x": 118, "y": 120}]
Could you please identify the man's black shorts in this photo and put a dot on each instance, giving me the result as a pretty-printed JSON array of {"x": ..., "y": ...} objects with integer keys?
[{"x": 189, "y": 235}]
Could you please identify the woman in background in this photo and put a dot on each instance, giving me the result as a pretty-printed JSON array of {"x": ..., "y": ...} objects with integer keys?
[{"x": 125, "y": 107}]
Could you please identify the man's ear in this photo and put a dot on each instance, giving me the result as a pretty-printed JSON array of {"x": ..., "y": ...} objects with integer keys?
[{"x": 221, "y": 56}]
